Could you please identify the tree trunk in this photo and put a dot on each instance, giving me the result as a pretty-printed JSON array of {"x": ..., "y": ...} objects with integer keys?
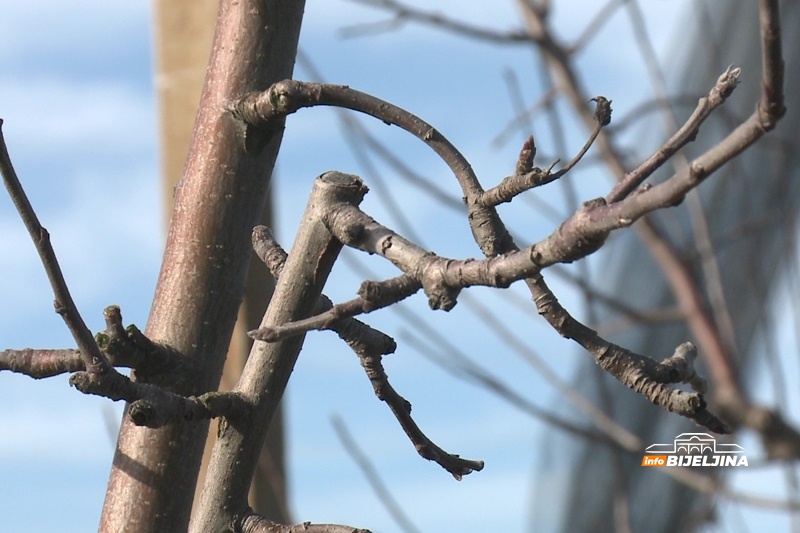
[
  {"x": 201, "y": 282},
  {"x": 184, "y": 31}
]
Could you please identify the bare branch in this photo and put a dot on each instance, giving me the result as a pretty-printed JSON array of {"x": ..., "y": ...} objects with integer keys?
[
  {"x": 93, "y": 359},
  {"x": 602, "y": 117},
  {"x": 254, "y": 523},
  {"x": 40, "y": 364},
  {"x": 581, "y": 234},
  {"x": 269, "y": 366},
  {"x": 158, "y": 410},
  {"x": 121, "y": 347},
  {"x": 725, "y": 85},
  {"x": 403, "y": 13},
  {"x": 526, "y": 176},
  {"x": 154, "y": 362},
  {"x": 374, "y": 295},
  {"x": 261, "y": 110},
  {"x": 369, "y": 344}
]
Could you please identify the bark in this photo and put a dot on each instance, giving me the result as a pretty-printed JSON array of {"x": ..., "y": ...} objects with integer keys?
[
  {"x": 270, "y": 365},
  {"x": 183, "y": 37},
  {"x": 201, "y": 282}
]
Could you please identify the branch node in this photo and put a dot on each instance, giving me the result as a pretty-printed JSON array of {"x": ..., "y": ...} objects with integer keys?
[{"x": 602, "y": 111}]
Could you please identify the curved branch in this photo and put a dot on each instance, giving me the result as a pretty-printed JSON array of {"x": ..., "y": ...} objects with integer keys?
[
  {"x": 93, "y": 359},
  {"x": 262, "y": 110}
]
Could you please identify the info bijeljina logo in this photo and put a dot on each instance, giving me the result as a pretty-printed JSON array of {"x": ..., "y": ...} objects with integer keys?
[{"x": 694, "y": 449}]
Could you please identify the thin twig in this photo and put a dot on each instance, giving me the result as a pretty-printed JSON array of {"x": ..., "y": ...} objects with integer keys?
[
  {"x": 369, "y": 344},
  {"x": 93, "y": 359},
  {"x": 403, "y": 12},
  {"x": 725, "y": 85},
  {"x": 378, "y": 486},
  {"x": 374, "y": 295}
]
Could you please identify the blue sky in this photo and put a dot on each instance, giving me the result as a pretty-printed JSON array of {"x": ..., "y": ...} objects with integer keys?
[{"x": 77, "y": 97}]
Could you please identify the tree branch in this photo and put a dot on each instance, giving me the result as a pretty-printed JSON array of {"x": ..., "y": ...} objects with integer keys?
[
  {"x": 725, "y": 85},
  {"x": 39, "y": 364},
  {"x": 261, "y": 110},
  {"x": 217, "y": 202},
  {"x": 269, "y": 365},
  {"x": 93, "y": 359},
  {"x": 374, "y": 295},
  {"x": 368, "y": 343},
  {"x": 584, "y": 232},
  {"x": 254, "y": 523}
]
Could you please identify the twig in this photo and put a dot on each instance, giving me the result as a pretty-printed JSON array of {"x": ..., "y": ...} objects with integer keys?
[
  {"x": 642, "y": 110},
  {"x": 375, "y": 481},
  {"x": 403, "y": 12},
  {"x": 725, "y": 85},
  {"x": 93, "y": 359},
  {"x": 262, "y": 110},
  {"x": 122, "y": 348},
  {"x": 374, "y": 295},
  {"x": 154, "y": 362},
  {"x": 602, "y": 117},
  {"x": 527, "y": 177},
  {"x": 369, "y": 344},
  {"x": 99, "y": 377}
]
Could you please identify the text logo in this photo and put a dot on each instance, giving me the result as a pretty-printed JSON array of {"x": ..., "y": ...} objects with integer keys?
[{"x": 694, "y": 449}]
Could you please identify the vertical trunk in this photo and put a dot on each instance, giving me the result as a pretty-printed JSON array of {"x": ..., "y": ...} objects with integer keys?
[
  {"x": 217, "y": 202},
  {"x": 184, "y": 31}
]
